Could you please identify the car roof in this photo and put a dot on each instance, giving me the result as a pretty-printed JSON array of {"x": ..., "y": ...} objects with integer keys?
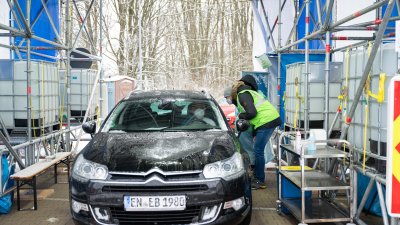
[{"x": 168, "y": 94}]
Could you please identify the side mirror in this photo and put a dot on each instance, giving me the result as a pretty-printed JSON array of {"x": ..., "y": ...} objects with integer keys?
[
  {"x": 89, "y": 127},
  {"x": 242, "y": 125}
]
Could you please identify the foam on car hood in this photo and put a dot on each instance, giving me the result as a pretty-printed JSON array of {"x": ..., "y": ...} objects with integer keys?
[{"x": 169, "y": 151}]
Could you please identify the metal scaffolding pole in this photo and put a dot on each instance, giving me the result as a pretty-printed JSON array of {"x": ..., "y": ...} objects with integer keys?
[
  {"x": 353, "y": 28},
  {"x": 83, "y": 25},
  {"x": 86, "y": 54},
  {"x": 270, "y": 36},
  {"x": 257, "y": 16},
  {"x": 296, "y": 21},
  {"x": 325, "y": 27},
  {"x": 50, "y": 19},
  {"x": 11, "y": 150},
  {"x": 336, "y": 24},
  {"x": 68, "y": 73},
  {"x": 85, "y": 29},
  {"x": 360, "y": 13},
  {"x": 49, "y": 42},
  {"x": 14, "y": 32},
  {"x": 39, "y": 54},
  {"x": 346, "y": 38},
  {"x": 21, "y": 25},
  {"x": 74, "y": 151},
  {"x": 276, "y": 19},
  {"x": 101, "y": 80},
  {"x": 11, "y": 6},
  {"x": 382, "y": 203},
  {"x": 26, "y": 21},
  {"x": 327, "y": 70},
  {"x": 140, "y": 75},
  {"x": 279, "y": 54},
  {"x": 355, "y": 45},
  {"x": 30, "y": 158},
  {"x": 307, "y": 68}
]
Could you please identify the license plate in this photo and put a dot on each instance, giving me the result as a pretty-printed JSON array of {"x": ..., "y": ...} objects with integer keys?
[{"x": 155, "y": 203}]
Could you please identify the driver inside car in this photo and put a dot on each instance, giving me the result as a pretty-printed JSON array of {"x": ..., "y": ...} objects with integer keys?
[{"x": 196, "y": 113}]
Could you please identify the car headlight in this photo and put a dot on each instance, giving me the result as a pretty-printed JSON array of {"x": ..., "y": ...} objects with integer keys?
[
  {"x": 225, "y": 168},
  {"x": 88, "y": 170}
]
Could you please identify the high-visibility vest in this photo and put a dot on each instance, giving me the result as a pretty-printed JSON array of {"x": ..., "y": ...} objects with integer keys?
[{"x": 266, "y": 112}]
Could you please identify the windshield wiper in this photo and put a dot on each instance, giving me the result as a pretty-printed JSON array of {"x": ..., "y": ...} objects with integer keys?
[
  {"x": 172, "y": 129},
  {"x": 214, "y": 129},
  {"x": 116, "y": 131}
]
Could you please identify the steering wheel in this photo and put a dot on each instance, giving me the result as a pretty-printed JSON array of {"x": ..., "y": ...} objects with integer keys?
[{"x": 151, "y": 115}]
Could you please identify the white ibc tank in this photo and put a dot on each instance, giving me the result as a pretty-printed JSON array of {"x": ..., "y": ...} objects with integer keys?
[
  {"x": 386, "y": 61},
  {"x": 82, "y": 83},
  {"x": 295, "y": 75},
  {"x": 44, "y": 95}
]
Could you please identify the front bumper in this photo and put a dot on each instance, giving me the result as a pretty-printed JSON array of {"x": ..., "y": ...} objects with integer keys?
[{"x": 109, "y": 195}]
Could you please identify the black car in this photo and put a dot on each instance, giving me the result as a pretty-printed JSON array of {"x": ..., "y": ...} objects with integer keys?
[{"x": 162, "y": 157}]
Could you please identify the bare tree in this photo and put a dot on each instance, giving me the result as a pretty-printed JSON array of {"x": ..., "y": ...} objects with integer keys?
[{"x": 186, "y": 44}]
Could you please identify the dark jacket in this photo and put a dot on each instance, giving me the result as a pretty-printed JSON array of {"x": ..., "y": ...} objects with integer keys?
[{"x": 246, "y": 100}]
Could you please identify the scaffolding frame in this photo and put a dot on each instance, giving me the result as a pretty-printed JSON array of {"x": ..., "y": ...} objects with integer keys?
[
  {"x": 62, "y": 138},
  {"x": 324, "y": 32}
]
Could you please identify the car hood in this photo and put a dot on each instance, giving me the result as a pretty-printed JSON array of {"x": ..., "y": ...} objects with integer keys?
[{"x": 168, "y": 151}]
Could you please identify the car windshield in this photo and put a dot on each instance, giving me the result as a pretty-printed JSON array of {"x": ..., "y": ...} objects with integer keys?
[{"x": 164, "y": 115}]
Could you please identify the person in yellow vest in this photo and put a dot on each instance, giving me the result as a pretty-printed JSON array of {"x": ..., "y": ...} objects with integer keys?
[{"x": 264, "y": 118}]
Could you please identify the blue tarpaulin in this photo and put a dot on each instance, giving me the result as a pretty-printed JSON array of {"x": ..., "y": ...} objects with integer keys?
[
  {"x": 301, "y": 25},
  {"x": 41, "y": 27},
  {"x": 261, "y": 79},
  {"x": 5, "y": 201},
  {"x": 285, "y": 60},
  {"x": 372, "y": 204},
  {"x": 394, "y": 13}
]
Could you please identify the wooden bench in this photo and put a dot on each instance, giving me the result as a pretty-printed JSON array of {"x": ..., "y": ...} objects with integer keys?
[{"x": 28, "y": 175}]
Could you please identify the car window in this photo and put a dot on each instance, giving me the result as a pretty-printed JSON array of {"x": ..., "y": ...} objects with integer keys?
[{"x": 165, "y": 115}]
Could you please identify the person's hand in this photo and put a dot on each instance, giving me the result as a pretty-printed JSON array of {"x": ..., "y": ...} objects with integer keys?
[{"x": 242, "y": 124}]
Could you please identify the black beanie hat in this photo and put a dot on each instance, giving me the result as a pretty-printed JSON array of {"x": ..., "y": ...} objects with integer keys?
[{"x": 249, "y": 80}]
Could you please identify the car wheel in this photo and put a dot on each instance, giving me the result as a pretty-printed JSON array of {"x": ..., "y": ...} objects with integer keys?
[{"x": 247, "y": 220}]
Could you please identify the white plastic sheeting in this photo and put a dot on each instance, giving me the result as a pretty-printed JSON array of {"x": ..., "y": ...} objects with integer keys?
[
  {"x": 342, "y": 9},
  {"x": 346, "y": 8},
  {"x": 4, "y": 19},
  {"x": 271, "y": 8}
]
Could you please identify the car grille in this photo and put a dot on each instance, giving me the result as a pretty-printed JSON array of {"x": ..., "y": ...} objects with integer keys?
[
  {"x": 177, "y": 177},
  {"x": 189, "y": 215},
  {"x": 166, "y": 188}
]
